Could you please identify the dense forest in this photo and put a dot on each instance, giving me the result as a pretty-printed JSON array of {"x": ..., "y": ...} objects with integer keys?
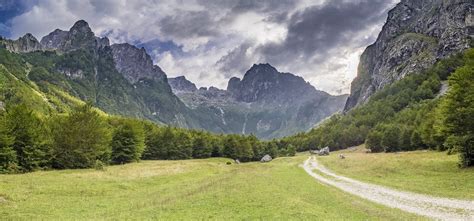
[
  {"x": 408, "y": 115},
  {"x": 84, "y": 138}
]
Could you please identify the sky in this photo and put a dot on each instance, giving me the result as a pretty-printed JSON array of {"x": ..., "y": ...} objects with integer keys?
[{"x": 209, "y": 41}]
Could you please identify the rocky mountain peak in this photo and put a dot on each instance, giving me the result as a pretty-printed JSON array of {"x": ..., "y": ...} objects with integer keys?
[
  {"x": 233, "y": 85},
  {"x": 181, "y": 84},
  {"x": 26, "y": 43},
  {"x": 135, "y": 64},
  {"x": 416, "y": 34},
  {"x": 262, "y": 68},
  {"x": 263, "y": 82},
  {"x": 81, "y": 26},
  {"x": 79, "y": 36}
]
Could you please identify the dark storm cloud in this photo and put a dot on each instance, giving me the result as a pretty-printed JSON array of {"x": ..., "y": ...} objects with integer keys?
[
  {"x": 315, "y": 30},
  {"x": 236, "y": 61},
  {"x": 189, "y": 24}
]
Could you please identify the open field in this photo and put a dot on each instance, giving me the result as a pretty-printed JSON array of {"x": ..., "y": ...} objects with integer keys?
[
  {"x": 428, "y": 172},
  {"x": 191, "y": 189}
]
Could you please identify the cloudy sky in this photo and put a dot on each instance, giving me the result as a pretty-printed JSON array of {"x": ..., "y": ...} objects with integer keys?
[{"x": 210, "y": 41}]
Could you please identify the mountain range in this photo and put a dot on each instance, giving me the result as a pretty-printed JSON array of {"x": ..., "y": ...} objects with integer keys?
[
  {"x": 122, "y": 79},
  {"x": 66, "y": 67}
]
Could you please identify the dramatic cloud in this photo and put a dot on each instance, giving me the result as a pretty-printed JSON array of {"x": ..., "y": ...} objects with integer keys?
[{"x": 210, "y": 41}]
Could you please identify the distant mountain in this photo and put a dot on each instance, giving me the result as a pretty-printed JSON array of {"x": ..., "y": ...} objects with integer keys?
[
  {"x": 417, "y": 34},
  {"x": 66, "y": 67},
  {"x": 265, "y": 102}
]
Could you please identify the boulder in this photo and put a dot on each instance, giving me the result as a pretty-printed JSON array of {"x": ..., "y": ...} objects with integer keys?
[
  {"x": 324, "y": 151},
  {"x": 266, "y": 158}
]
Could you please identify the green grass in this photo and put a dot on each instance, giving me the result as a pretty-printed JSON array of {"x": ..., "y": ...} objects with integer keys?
[
  {"x": 177, "y": 190},
  {"x": 429, "y": 172}
]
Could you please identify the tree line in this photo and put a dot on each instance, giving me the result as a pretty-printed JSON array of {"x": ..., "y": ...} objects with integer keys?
[
  {"x": 84, "y": 138},
  {"x": 408, "y": 115}
]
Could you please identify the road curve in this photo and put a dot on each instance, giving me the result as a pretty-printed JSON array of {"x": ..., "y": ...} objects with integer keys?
[{"x": 424, "y": 205}]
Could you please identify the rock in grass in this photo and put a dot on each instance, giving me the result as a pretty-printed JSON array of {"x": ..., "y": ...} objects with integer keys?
[
  {"x": 324, "y": 151},
  {"x": 266, "y": 158}
]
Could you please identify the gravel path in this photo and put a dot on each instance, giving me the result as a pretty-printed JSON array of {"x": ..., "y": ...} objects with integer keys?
[{"x": 424, "y": 205}]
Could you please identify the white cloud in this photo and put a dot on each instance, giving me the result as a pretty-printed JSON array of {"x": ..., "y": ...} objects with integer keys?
[{"x": 206, "y": 32}]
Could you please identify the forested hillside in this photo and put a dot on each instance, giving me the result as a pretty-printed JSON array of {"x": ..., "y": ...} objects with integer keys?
[{"x": 409, "y": 114}]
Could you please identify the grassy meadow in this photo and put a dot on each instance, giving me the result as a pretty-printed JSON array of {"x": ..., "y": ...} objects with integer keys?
[
  {"x": 429, "y": 172},
  {"x": 176, "y": 190}
]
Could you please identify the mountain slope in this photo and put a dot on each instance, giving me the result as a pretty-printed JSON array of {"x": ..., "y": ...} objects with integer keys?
[{"x": 417, "y": 34}]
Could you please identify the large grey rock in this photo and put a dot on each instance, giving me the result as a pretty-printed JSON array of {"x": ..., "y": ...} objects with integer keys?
[
  {"x": 266, "y": 158},
  {"x": 324, "y": 151},
  {"x": 135, "y": 64},
  {"x": 417, "y": 34}
]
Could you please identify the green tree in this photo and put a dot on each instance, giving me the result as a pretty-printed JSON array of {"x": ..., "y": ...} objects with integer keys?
[
  {"x": 8, "y": 161},
  {"x": 290, "y": 150},
  {"x": 391, "y": 138},
  {"x": 128, "y": 142},
  {"x": 30, "y": 138},
  {"x": 202, "y": 146},
  {"x": 373, "y": 141},
  {"x": 458, "y": 111},
  {"x": 80, "y": 139}
]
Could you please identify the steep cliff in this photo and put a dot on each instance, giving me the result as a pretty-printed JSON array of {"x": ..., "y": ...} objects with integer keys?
[{"x": 416, "y": 34}]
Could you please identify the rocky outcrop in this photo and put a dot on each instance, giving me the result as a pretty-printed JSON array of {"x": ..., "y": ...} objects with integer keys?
[
  {"x": 80, "y": 36},
  {"x": 417, "y": 33},
  {"x": 181, "y": 84},
  {"x": 135, "y": 64},
  {"x": 27, "y": 43}
]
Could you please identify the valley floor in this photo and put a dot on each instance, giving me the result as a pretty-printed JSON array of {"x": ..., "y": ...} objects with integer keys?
[
  {"x": 177, "y": 190},
  {"x": 210, "y": 189}
]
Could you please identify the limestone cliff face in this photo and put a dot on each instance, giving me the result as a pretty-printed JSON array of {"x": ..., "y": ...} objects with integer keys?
[
  {"x": 417, "y": 33},
  {"x": 135, "y": 64},
  {"x": 27, "y": 43}
]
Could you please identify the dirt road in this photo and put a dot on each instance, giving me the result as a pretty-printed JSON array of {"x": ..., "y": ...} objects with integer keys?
[{"x": 424, "y": 205}]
